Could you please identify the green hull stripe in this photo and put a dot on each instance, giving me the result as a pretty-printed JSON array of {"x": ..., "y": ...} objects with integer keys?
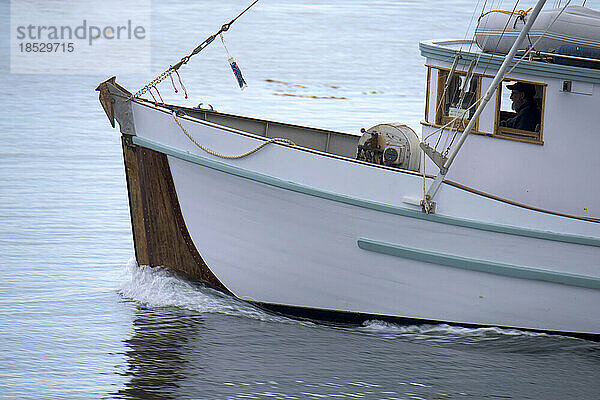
[
  {"x": 405, "y": 212},
  {"x": 471, "y": 264}
]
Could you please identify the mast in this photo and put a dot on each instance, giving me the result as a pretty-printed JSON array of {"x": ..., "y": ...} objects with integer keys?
[{"x": 433, "y": 189}]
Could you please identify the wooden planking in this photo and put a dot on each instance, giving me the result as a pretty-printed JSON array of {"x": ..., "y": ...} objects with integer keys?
[
  {"x": 135, "y": 203},
  {"x": 160, "y": 235},
  {"x": 427, "y": 94}
]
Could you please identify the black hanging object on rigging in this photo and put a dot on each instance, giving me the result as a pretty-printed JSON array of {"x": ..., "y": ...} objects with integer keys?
[
  {"x": 184, "y": 60},
  {"x": 210, "y": 39}
]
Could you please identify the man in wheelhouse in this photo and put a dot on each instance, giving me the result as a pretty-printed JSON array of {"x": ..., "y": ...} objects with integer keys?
[{"x": 523, "y": 103}]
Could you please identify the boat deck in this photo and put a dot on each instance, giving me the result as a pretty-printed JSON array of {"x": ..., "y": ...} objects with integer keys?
[{"x": 332, "y": 142}]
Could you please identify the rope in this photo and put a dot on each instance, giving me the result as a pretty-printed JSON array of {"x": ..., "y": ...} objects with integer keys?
[
  {"x": 459, "y": 120},
  {"x": 230, "y": 157},
  {"x": 441, "y": 128},
  {"x": 520, "y": 13},
  {"x": 224, "y": 45},
  {"x": 153, "y": 98},
  {"x": 440, "y": 103},
  {"x": 426, "y": 204},
  {"x": 173, "y": 83},
  {"x": 159, "y": 96},
  {"x": 181, "y": 83}
]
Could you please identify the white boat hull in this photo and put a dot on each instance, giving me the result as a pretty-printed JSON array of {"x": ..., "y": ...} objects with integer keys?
[
  {"x": 289, "y": 226},
  {"x": 279, "y": 247}
]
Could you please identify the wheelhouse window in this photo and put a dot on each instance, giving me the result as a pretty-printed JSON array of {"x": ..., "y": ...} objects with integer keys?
[
  {"x": 456, "y": 98},
  {"x": 519, "y": 111}
]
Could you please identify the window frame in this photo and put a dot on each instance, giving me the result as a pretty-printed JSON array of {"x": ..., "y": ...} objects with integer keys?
[
  {"x": 497, "y": 131},
  {"x": 427, "y": 90},
  {"x": 440, "y": 118},
  {"x": 519, "y": 135}
]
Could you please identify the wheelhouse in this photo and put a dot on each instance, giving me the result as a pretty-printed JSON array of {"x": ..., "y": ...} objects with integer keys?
[{"x": 540, "y": 166}]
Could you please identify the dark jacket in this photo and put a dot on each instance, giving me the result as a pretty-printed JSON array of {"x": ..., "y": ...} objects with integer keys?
[{"x": 527, "y": 118}]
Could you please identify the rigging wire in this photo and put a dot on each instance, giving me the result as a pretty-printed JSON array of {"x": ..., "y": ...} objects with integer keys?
[
  {"x": 453, "y": 128},
  {"x": 184, "y": 60},
  {"x": 474, "y": 10},
  {"x": 450, "y": 76},
  {"x": 460, "y": 120},
  {"x": 463, "y": 93},
  {"x": 445, "y": 91},
  {"x": 538, "y": 39},
  {"x": 453, "y": 131},
  {"x": 469, "y": 26},
  {"x": 441, "y": 129},
  {"x": 487, "y": 64}
]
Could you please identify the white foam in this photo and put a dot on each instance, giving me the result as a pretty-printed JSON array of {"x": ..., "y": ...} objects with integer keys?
[
  {"x": 375, "y": 326},
  {"x": 157, "y": 287}
]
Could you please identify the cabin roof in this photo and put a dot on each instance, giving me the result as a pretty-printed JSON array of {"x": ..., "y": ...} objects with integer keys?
[{"x": 446, "y": 49}]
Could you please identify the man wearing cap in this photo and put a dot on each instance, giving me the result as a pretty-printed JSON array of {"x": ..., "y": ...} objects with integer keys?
[{"x": 528, "y": 114}]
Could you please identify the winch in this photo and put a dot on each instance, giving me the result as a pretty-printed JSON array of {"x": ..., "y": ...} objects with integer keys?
[{"x": 393, "y": 144}]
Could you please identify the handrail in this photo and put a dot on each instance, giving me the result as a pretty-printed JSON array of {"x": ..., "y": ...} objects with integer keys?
[{"x": 520, "y": 52}]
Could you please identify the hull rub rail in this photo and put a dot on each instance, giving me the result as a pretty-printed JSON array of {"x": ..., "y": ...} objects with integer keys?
[{"x": 472, "y": 264}]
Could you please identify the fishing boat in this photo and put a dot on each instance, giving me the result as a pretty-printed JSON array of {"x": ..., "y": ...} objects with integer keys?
[{"x": 478, "y": 221}]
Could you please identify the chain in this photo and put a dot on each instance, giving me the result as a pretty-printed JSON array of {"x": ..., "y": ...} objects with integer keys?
[
  {"x": 153, "y": 83},
  {"x": 184, "y": 60}
]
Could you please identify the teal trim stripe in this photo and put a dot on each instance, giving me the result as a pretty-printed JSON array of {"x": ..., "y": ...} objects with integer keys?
[
  {"x": 558, "y": 71},
  {"x": 405, "y": 212},
  {"x": 472, "y": 264}
]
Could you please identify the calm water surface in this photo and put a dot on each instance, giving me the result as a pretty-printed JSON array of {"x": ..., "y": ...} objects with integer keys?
[{"x": 79, "y": 319}]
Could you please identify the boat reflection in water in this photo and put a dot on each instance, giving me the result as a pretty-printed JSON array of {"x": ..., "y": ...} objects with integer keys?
[{"x": 157, "y": 359}]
